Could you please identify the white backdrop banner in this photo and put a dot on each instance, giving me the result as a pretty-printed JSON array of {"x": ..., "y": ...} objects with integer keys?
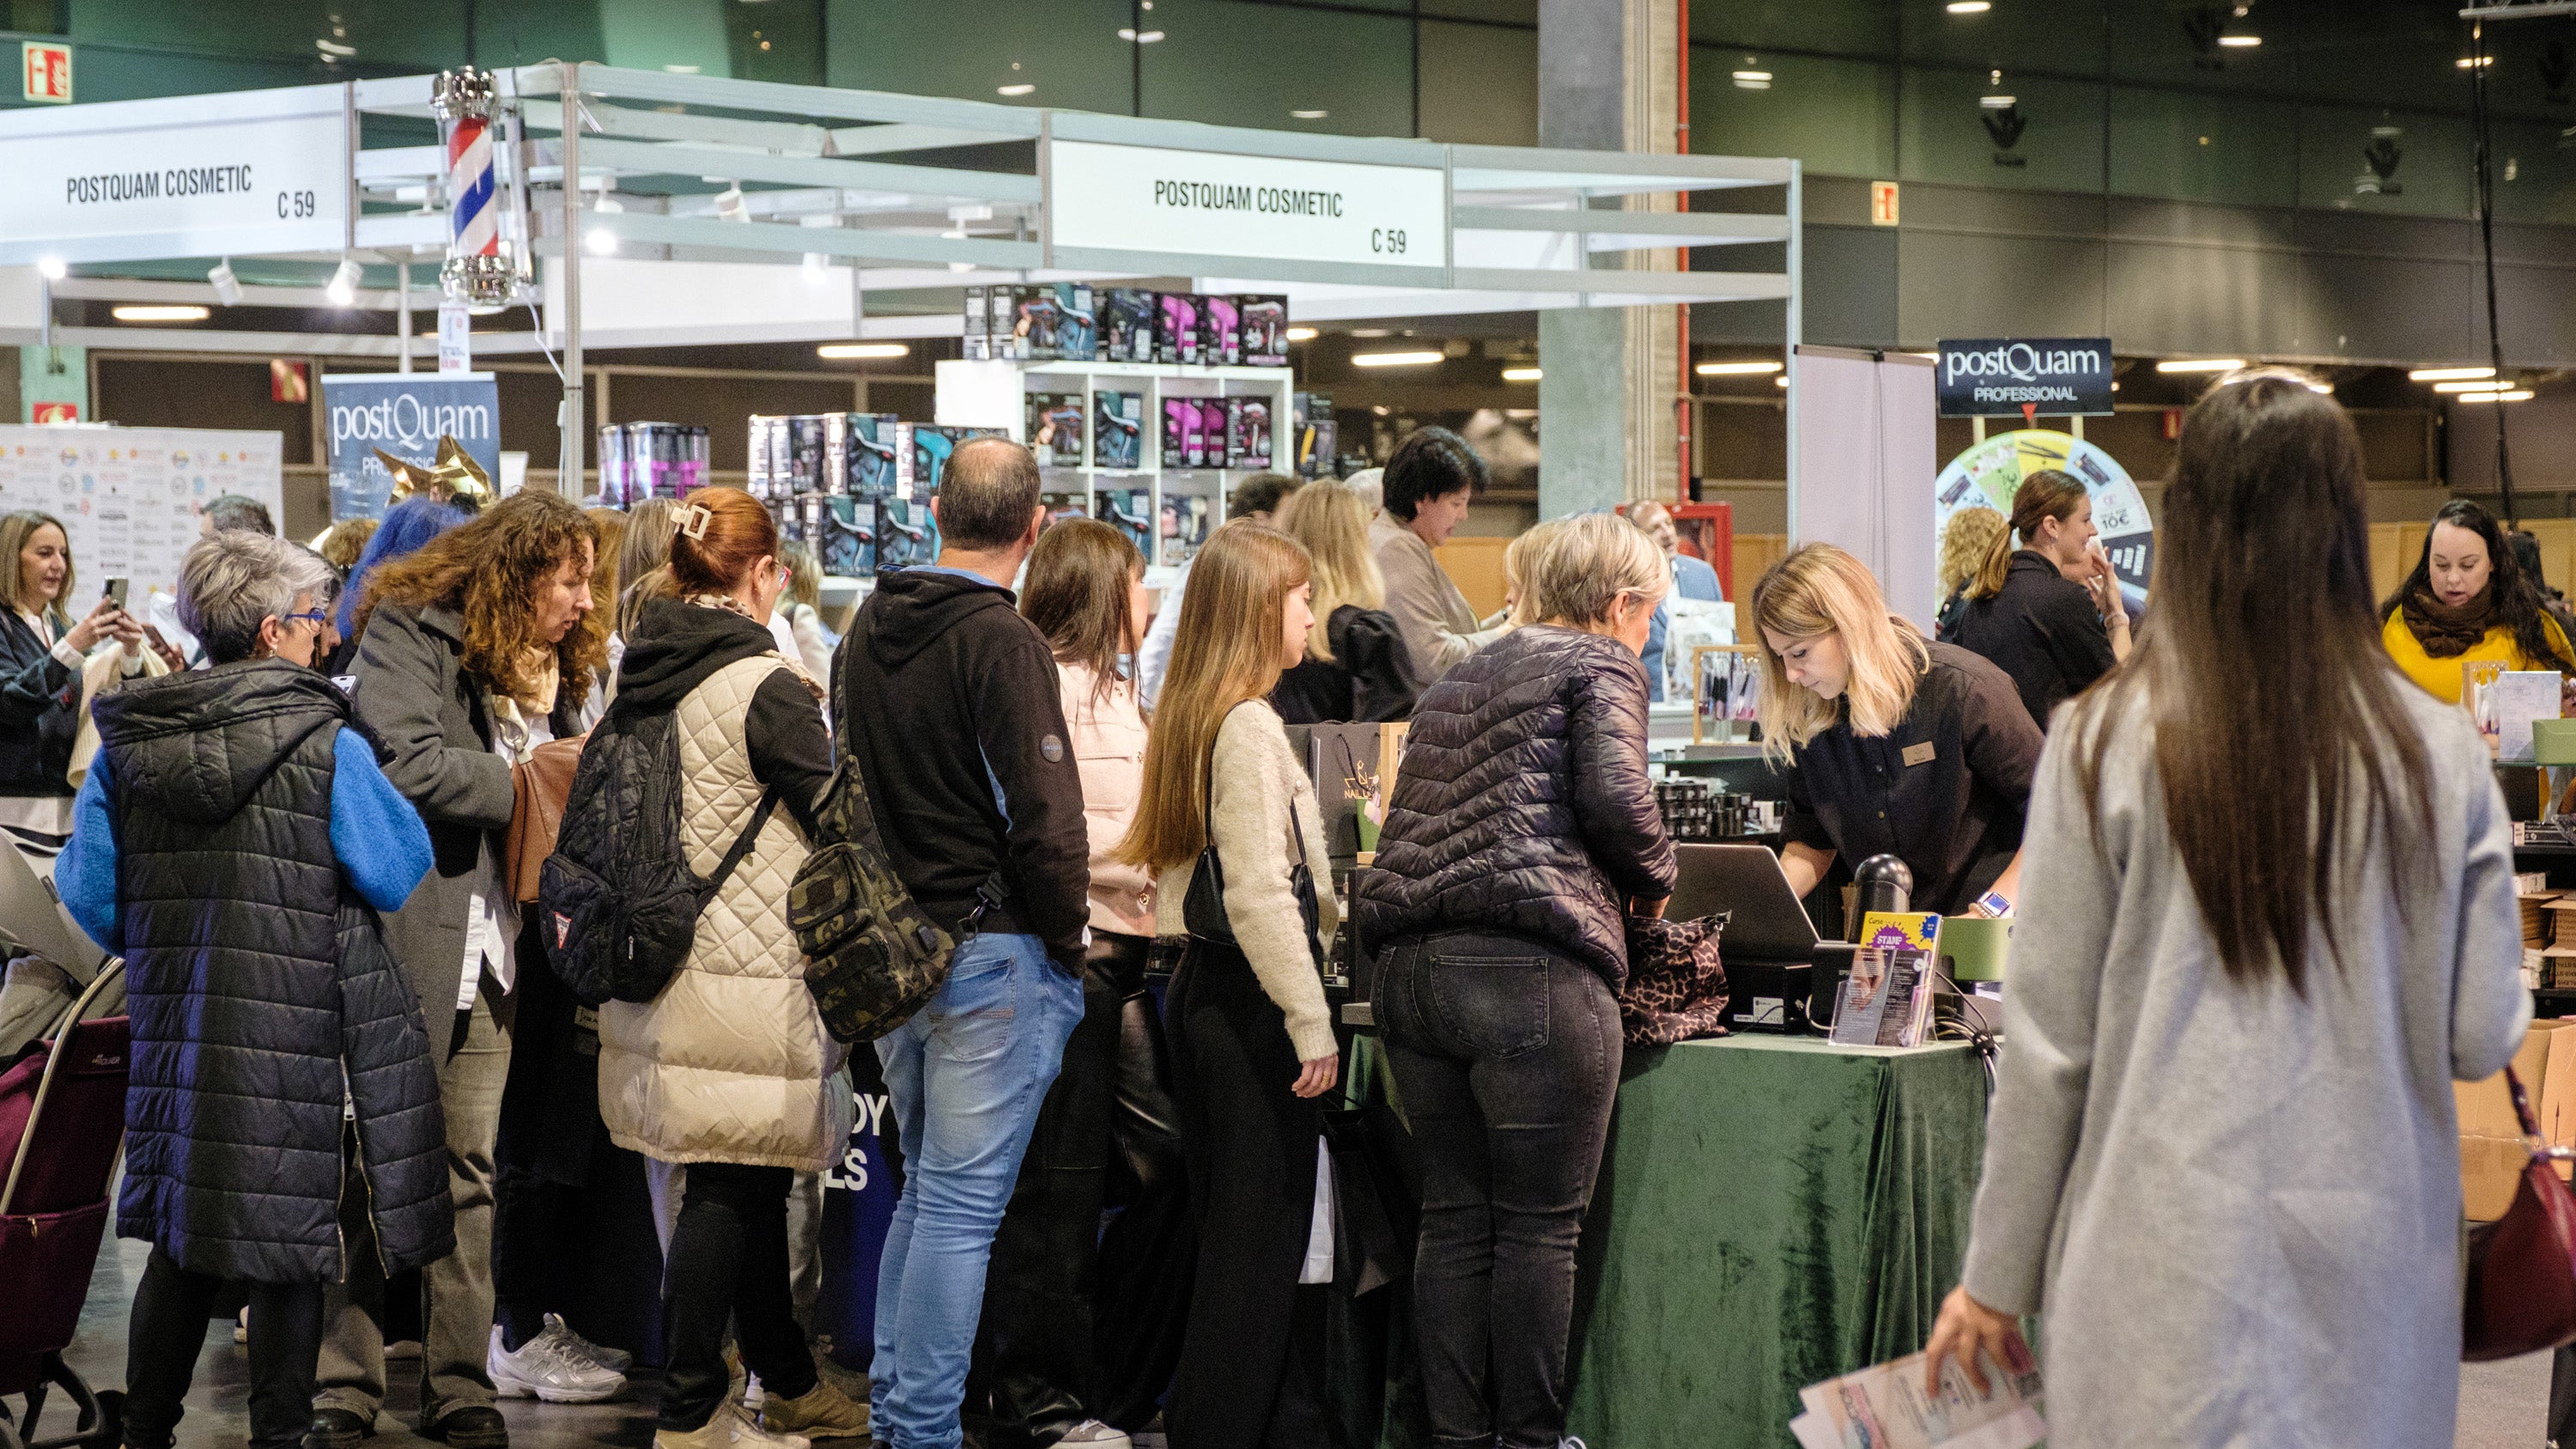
[
  {"x": 129, "y": 497},
  {"x": 1206, "y": 203},
  {"x": 235, "y": 175}
]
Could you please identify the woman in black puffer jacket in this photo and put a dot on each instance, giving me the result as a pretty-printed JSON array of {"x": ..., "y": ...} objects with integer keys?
[{"x": 1522, "y": 831}]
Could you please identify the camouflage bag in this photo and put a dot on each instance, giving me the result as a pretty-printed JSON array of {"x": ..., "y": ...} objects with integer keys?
[{"x": 873, "y": 956}]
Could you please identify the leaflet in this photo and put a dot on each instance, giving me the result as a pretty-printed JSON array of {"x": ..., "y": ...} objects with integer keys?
[{"x": 1885, "y": 1408}]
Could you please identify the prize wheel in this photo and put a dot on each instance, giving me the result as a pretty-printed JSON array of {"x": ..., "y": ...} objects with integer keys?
[{"x": 1990, "y": 473}]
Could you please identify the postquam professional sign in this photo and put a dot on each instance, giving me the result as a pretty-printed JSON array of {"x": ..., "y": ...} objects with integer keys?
[
  {"x": 130, "y": 180},
  {"x": 404, "y": 413},
  {"x": 1104, "y": 197},
  {"x": 2000, "y": 376}
]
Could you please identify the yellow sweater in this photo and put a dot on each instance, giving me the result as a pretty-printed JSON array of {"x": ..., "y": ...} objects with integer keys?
[{"x": 2442, "y": 677}]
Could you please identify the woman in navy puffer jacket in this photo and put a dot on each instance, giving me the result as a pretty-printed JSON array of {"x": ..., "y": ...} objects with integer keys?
[{"x": 1522, "y": 832}]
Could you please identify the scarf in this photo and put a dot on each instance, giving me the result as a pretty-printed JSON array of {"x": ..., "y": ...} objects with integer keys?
[
  {"x": 2448, "y": 633},
  {"x": 732, "y": 605}
]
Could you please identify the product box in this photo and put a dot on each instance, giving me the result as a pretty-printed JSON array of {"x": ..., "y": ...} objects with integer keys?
[
  {"x": 921, "y": 456},
  {"x": 1313, "y": 433},
  {"x": 848, "y": 546},
  {"x": 1077, "y": 328},
  {"x": 767, "y": 455},
  {"x": 1034, "y": 339},
  {"x": 978, "y": 337},
  {"x": 1265, "y": 330},
  {"x": 859, "y": 454},
  {"x": 805, "y": 437},
  {"x": 1342, "y": 759},
  {"x": 1221, "y": 331},
  {"x": 1127, "y": 325},
  {"x": 1001, "y": 323},
  {"x": 1183, "y": 524},
  {"x": 1061, "y": 506},
  {"x": 906, "y": 533},
  {"x": 1055, "y": 428},
  {"x": 2492, "y": 1155},
  {"x": 1118, "y": 429},
  {"x": 1180, "y": 426},
  {"x": 2517, "y": 699},
  {"x": 1247, "y": 432},
  {"x": 611, "y": 452},
  {"x": 1130, "y": 511},
  {"x": 1176, "y": 327}
]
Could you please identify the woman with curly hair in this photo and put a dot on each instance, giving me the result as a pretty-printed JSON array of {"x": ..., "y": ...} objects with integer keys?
[{"x": 472, "y": 652}]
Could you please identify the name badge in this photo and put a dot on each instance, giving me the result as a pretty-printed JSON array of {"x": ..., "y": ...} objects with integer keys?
[{"x": 1918, "y": 754}]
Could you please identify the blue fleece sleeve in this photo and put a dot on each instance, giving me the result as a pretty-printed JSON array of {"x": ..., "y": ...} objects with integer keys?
[
  {"x": 374, "y": 831},
  {"x": 85, "y": 873}
]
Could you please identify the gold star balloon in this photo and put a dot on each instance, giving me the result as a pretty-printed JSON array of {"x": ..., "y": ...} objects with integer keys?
[{"x": 451, "y": 476}]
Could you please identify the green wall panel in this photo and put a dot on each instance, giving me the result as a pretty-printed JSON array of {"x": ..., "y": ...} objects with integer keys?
[
  {"x": 2188, "y": 147},
  {"x": 1068, "y": 49},
  {"x": 1234, "y": 64},
  {"x": 2431, "y": 153},
  {"x": 1836, "y": 116},
  {"x": 1942, "y": 132}
]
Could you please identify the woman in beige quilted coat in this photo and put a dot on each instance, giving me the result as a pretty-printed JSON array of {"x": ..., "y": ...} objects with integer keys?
[{"x": 729, "y": 1069}]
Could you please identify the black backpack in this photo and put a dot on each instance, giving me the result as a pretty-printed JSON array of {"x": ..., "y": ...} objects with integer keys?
[{"x": 620, "y": 901}]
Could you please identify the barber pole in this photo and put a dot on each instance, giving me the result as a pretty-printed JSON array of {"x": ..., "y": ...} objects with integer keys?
[{"x": 477, "y": 272}]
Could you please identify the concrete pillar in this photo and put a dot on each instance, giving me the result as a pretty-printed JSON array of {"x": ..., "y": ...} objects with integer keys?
[
  {"x": 53, "y": 375},
  {"x": 1607, "y": 82}
]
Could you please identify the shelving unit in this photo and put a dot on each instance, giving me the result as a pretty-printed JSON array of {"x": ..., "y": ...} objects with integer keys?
[{"x": 993, "y": 395}]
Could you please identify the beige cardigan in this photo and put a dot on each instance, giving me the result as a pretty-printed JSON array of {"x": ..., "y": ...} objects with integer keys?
[
  {"x": 1261, "y": 788},
  {"x": 1439, "y": 626}
]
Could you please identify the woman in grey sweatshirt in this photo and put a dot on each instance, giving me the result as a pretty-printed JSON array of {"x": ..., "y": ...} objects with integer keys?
[{"x": 2267, "y": 920}]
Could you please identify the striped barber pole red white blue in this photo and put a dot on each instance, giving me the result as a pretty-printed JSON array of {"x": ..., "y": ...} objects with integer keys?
[{"x": 474, "y": 221}]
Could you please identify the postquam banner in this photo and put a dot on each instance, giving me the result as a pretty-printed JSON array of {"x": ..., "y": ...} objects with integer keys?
[
  {"x": 405, "y": 414},
  {"x": 2001, "y": 376}
]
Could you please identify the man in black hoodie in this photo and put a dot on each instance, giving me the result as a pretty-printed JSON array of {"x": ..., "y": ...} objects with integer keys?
[{"x": 953, "y": 717}]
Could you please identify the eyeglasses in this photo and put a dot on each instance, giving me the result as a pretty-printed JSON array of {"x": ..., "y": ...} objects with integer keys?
[{"x": 317, "y": 618}]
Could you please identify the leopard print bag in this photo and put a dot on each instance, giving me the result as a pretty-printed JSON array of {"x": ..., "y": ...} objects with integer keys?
[{"x": 1676, "y": 984}]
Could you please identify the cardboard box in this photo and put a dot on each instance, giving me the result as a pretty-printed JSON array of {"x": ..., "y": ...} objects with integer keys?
[{"x": 2492, "y": 1154}]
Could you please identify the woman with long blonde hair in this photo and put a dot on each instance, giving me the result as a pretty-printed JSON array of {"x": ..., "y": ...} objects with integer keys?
[
  {"x": 1891, "y": 744},
  {"x": 1355, "y": 666},
  {"x": 1252, "y": 1042}
]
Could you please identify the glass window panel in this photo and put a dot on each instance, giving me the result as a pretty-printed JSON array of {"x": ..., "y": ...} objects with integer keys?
[
  {"x": 1068, "y": 50},
  {"x": 677, "y": 34},
  {"x": 2383, "y": 53},
  {"x": 1480, "y": 84},
  {"x": 2049, "y": 139},
  {"x": 2162, "y": 42},
  {"x": 1837, "y": 116},
  {"x": 2411, "y": 163},
  {"x": 779, "y": 40},
  {"x": 2193, "y": 147},
  {"x": 1501, "y": 12},
  {"x": 1835, "y": 27},
  {"x": 376, "y": 32},
  {"x": 1235, "y": 64},
  {"x": 2534, "y": 74},
  {"x": 510, "y": 33},
  {"x": 2535, "y": 178},
  {"x": 113, "y": 73},
  {"x": 2059, "y": 38}
]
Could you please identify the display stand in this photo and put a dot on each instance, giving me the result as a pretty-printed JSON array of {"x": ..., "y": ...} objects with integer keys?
[{"x": 994, "y": 394}]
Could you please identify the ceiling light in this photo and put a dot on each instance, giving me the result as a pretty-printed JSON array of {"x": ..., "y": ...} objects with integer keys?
[
  {"x": 1781, "y": 381},
  {"x": 227, "y": 286},
  {"x": 2324, "y": 387},
  {"x": 1753, "y": 80},
  {"x": 2240, "y": 42},
  {"x": 1148, "y": 38},
  {"x": 599, "y": 241},
  {"x": 1309, "y": 115},
  {"x": 1355, "y": 332},
  {"x": 1969, "y": 7},
  {"x": 1396, "y": 359},
  {"x": 2520, "y": 394},
  {"x": 679, "y": 70},
  {"x": 1762, "y": 75},
  {"x": 2201, "y": 364},
  {"x": 343, "y": 290},
  {"x": 2468, "y": 62},
  {"x": 160, "y": 314},
  {"x": 1301, "y": 334},
  {"x": 53, "y": 270},
  {"x": 333, "y": 47},
  {"x": 1735, "y": 369},
  {"x": 2487, "y": 384},
  {"x": 1520, "y": 374},
  {"x": 730, "y": 205},
  {"x": 1380, "y": 409},
  {"x": 2447, "y": 374},
  {"x": 861, "y": 349},
  {"x": 1997, "y": 103},
  {"x": 1021, "y": 89}
]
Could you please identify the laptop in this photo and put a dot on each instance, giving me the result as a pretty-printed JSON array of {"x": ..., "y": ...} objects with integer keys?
[{"x": 1770, "y": 945}]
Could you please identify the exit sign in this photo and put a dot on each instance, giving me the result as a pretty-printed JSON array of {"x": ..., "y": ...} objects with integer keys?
[
  {"x": 47, "y": 71},
  {"x": 1882, "y": 203},
  {"x": 53, "y": 413}
]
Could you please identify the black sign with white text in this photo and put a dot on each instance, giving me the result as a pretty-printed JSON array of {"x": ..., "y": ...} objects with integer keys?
[{"x": 1999, "y": 376}]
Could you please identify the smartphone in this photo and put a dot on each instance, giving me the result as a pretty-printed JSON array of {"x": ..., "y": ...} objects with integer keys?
[{"x": 116, "y": 592}]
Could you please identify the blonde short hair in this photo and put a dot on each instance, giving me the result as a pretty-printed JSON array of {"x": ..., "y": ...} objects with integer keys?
[
  {"x": 1580, "y": 571},
  {"x": 1819, "y": 590},
  {"x": 1964, "y": 541}
]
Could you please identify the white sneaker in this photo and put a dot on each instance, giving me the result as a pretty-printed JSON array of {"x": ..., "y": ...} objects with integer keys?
[
  {"x": 1093, "y": 1434},
  {"x": 546, "y": 1368},
  {"x": 615, "y": 1360},
  {"x": 731, "y": 1428}
]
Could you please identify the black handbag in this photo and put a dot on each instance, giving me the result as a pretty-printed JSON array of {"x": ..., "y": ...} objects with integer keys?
[{"x": 1203, "y": 909}]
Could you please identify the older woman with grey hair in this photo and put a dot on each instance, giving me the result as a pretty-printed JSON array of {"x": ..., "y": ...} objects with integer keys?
[
  {"x": 233, "y": 841},
  {"x": 1521, "y": 823}
]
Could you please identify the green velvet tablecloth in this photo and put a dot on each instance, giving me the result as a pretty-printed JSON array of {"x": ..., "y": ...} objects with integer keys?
[{"x": 1771, "y": 1212}]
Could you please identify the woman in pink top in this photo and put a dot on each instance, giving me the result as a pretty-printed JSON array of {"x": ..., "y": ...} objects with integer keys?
[{"x": 1069, "y": 1352}]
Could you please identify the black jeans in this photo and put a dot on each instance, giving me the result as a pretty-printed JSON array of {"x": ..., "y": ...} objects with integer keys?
[
  {"x": 1506, "y": 1054},
  {"x": 1054, "y": 1346},
  {"x": 167, "y": 1330},
  {"x": 728, "y": 1260}
]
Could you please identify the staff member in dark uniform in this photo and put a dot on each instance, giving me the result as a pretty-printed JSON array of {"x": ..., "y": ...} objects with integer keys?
[
  {"x": 1892, "y": 745},
  {"x": 2027, "y": 610}
]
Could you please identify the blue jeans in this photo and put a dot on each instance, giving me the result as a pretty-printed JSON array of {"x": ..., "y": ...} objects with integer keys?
[{"x": 965, "y": 1077}]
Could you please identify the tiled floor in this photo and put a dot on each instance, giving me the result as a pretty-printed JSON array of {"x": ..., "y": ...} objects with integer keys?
[{"x": 2501, "y": 1405}]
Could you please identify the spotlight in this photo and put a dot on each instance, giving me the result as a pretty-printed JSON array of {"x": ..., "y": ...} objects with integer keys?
[
  {"x": 227, "y": 286},
  {"x": 1301, "y": 334},
  {"x": 52, "y": 268},
  {"x": 343, "y": 290}
]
